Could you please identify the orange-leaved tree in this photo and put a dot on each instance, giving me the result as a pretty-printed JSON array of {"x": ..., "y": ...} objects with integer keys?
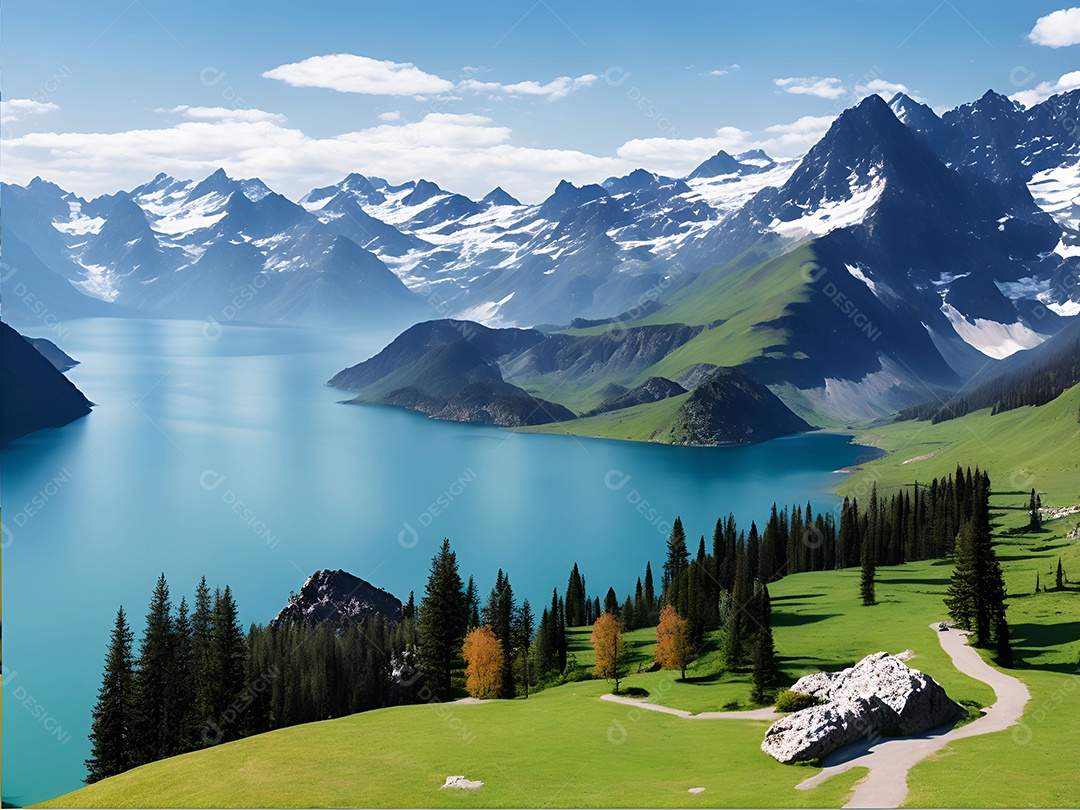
[
  {"x": 484, "y": 663},
  {"x": 610, "y": 648},
  {"x": 673, "y": 649}
]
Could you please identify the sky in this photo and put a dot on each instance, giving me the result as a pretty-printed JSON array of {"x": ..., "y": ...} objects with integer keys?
[{"x": 101, "y": 96}]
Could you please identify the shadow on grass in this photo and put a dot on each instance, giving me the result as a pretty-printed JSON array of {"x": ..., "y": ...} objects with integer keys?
[
  {"x": 931, "y": 581},
  {"x": 799, "y": 619},
  {"x": 790, "y": 596},
  {"x": 1029, "y": 635}
]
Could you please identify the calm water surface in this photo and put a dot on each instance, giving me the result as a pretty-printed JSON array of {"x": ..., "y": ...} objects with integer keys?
[{"x": 230, "y": 458}]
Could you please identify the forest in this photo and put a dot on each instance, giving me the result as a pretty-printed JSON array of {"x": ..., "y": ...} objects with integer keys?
[{"x": 199, "y": 679}]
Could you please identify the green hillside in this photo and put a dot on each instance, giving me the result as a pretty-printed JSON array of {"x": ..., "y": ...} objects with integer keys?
[
  {"x": 565, "y": 746},
  {"x": 1021, "y": 449}
]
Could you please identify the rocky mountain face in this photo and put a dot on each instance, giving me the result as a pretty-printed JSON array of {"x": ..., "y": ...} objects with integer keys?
[
  {"x": 731, "y": 407},
  {"x": 54, "y": 354},
  {"x": 339, "y": 598},
  {"x": 653, "y": 389},
  {"x": 940, "y": 244},
  {"x": 36, "y": 394},
  {"x": 451, "y": 370},
  {"x": 878, "y": 696}
]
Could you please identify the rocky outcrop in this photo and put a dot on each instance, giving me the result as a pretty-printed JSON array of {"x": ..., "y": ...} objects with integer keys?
[
  {"x": 339, "y": 598},
  {"x": 878, "y": 696},
  {"x": 653, "y": 389},
  {"x": 53, "y": 353},
  {"x": 35, "y": 394},
  {"x": 731, "y": 407}
]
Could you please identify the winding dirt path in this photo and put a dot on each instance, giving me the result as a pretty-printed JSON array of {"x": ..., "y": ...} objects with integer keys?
[
  {"x": 753, "y": 714},
  {"x": 890, "y": 760}
]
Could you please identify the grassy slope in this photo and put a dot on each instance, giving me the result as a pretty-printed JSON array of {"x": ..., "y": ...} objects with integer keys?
[
  {"x": 1021, "y": 449},
  {"x": 554, "y": 748},
  {"x": 728, "y": 301}
]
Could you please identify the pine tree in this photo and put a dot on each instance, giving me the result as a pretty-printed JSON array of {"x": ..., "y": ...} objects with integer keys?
[
  {"x": 472, "y": 604},
  {"x": 611, "y": 603},
  {"x": 180, "y": 690},
  {"x": 229, "y": 651},
  {"x": 678, "y": 558},
  {"x": 650, "y": 592},
  {"x": 152, "y": 729},
  {"x": 1059, "y": 577},
  {"x": 1037, "y": 583},
  {"x": 1034, "y": 523},
  {"x": 202, "y": 666},
  {"x": 524, "y": 628},
  {"x": 866, "y": 581},
  {"x": 110, "y": 746},
  {"x": 441, "y": 623},
  {"x": 763, "y": 653},
  {"x": 962, "y": 596},
  {"x": 741, "y": 595}
]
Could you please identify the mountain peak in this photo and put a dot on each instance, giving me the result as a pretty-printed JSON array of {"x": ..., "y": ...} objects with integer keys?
[
  {"x": 338, "y": 597},
  {"x": 499, "y": 196},
  {"x": 719, "y": 164},
  {"x": 423, "y": 192}
]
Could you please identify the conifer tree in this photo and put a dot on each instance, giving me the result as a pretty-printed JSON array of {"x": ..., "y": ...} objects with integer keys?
[
  {"x": 202, "y": 665},
  {"x": 611, "y": 603},
  {"x": 524, "y": 631},
  {"x": 229, "y": 650},
  {"x": 472, "y": 604},
  {"x": 441, "y": 623},
  {"x": 866, "y": 581},
  {"x": 763, "y": 652},
  {"x": 152, "y": 729},
  {"x": 678, "y": 558},
  {"x": 110, "y": 746},
  {"x": 650, "y": 592},
  {"x": 1034, "y": 522},
  {"x": 180, "y": 687},
  {"x": 1059, "y": 577}
]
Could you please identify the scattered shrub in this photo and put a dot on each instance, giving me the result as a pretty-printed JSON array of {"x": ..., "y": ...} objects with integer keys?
[{"x": 788, "y": 701}]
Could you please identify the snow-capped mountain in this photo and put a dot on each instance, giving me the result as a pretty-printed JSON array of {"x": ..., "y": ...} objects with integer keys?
[{"x": 957, "y": 235}]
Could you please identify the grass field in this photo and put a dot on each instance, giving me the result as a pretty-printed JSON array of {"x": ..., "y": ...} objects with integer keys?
[{"x": 564, "y": 746}]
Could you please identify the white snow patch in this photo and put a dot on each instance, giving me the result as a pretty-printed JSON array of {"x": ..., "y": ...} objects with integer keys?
[
  {"x": 997, "y": 340},
  {"x": 1057, "y": 192},
  {"x": 833, "y": 214}
]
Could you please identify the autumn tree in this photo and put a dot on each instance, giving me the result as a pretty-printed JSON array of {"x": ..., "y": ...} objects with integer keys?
[
  {"x": 484, "y": 663},
  {"x": 610, "y": 648},
  {"x": 673, "y": 649}
]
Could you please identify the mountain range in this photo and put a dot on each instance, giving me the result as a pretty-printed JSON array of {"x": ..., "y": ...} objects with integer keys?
[{"x": 906, "y": 252}]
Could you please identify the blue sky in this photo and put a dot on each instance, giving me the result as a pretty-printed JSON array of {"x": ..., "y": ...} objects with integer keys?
[{"x": 102, "y": 95}]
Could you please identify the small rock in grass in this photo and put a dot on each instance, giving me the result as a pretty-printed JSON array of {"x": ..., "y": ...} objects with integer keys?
[
  {"x": 461, "y": 783},
  {"x": 696, "y": 790}
]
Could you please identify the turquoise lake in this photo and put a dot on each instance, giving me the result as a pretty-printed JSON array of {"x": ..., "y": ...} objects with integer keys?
[{"x": 229, "y": 457}]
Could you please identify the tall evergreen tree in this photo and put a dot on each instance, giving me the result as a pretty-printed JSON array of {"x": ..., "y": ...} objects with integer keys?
[
  {"x": 153, "y": 730},
  {"x": 763, "y": 652},
  {"x": 678, "y": 558},
  {"x": 650, "y": 592},
  {"x": 1059, "y": 577},
  {"x": 442, "y": 620},
  {"x": 202, "y": 665},
  {"x": 180, "y": 689},
  {"x": 866, "y": 579},
  {"x": 110, "y": 746},
  {"x": 472, "y": 605},
  {"x": 229, "y": 650},
  {"x": 524, "y": 636}
]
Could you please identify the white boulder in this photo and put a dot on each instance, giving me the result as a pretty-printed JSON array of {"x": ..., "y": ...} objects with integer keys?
[{"x": 879, "y": 694}]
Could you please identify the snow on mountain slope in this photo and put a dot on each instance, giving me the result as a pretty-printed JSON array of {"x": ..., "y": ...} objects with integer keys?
[
  {"x": 996, "y": 340},
  {"x": 1057, "y": 191}
]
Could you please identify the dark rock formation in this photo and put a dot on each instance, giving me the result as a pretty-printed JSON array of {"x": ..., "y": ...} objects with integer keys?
[
  {"x": 35, "y": 394},
  {"x": 340, "y": 598}
]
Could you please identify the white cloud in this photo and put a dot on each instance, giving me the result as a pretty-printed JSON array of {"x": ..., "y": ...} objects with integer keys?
[
  {"x": 555, "y": 89},
  {"x": 1043, "y": 90},
  {"x": 17, "y": 109},
  {"x": 885, "y": 89},
  {"x": 724, "y": 71},
  {"x": 349, "y": 73},
  {"x": 827, "y": 87},
  {"x": 225, "y": 114},
  {"x": 1058, "y": 29},
  {"x": 467, "y": 152},
  {"x": 679, "y": 156},
  {"x": 794, "y": 139},
  {"x": 393, "y": 115}
]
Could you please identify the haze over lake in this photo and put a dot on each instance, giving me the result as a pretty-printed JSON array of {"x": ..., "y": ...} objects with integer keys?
[{"x": 225, "y": 455}]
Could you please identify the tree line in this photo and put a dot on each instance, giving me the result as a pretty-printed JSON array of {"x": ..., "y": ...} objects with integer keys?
[{"x": 198, "y": 679}]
